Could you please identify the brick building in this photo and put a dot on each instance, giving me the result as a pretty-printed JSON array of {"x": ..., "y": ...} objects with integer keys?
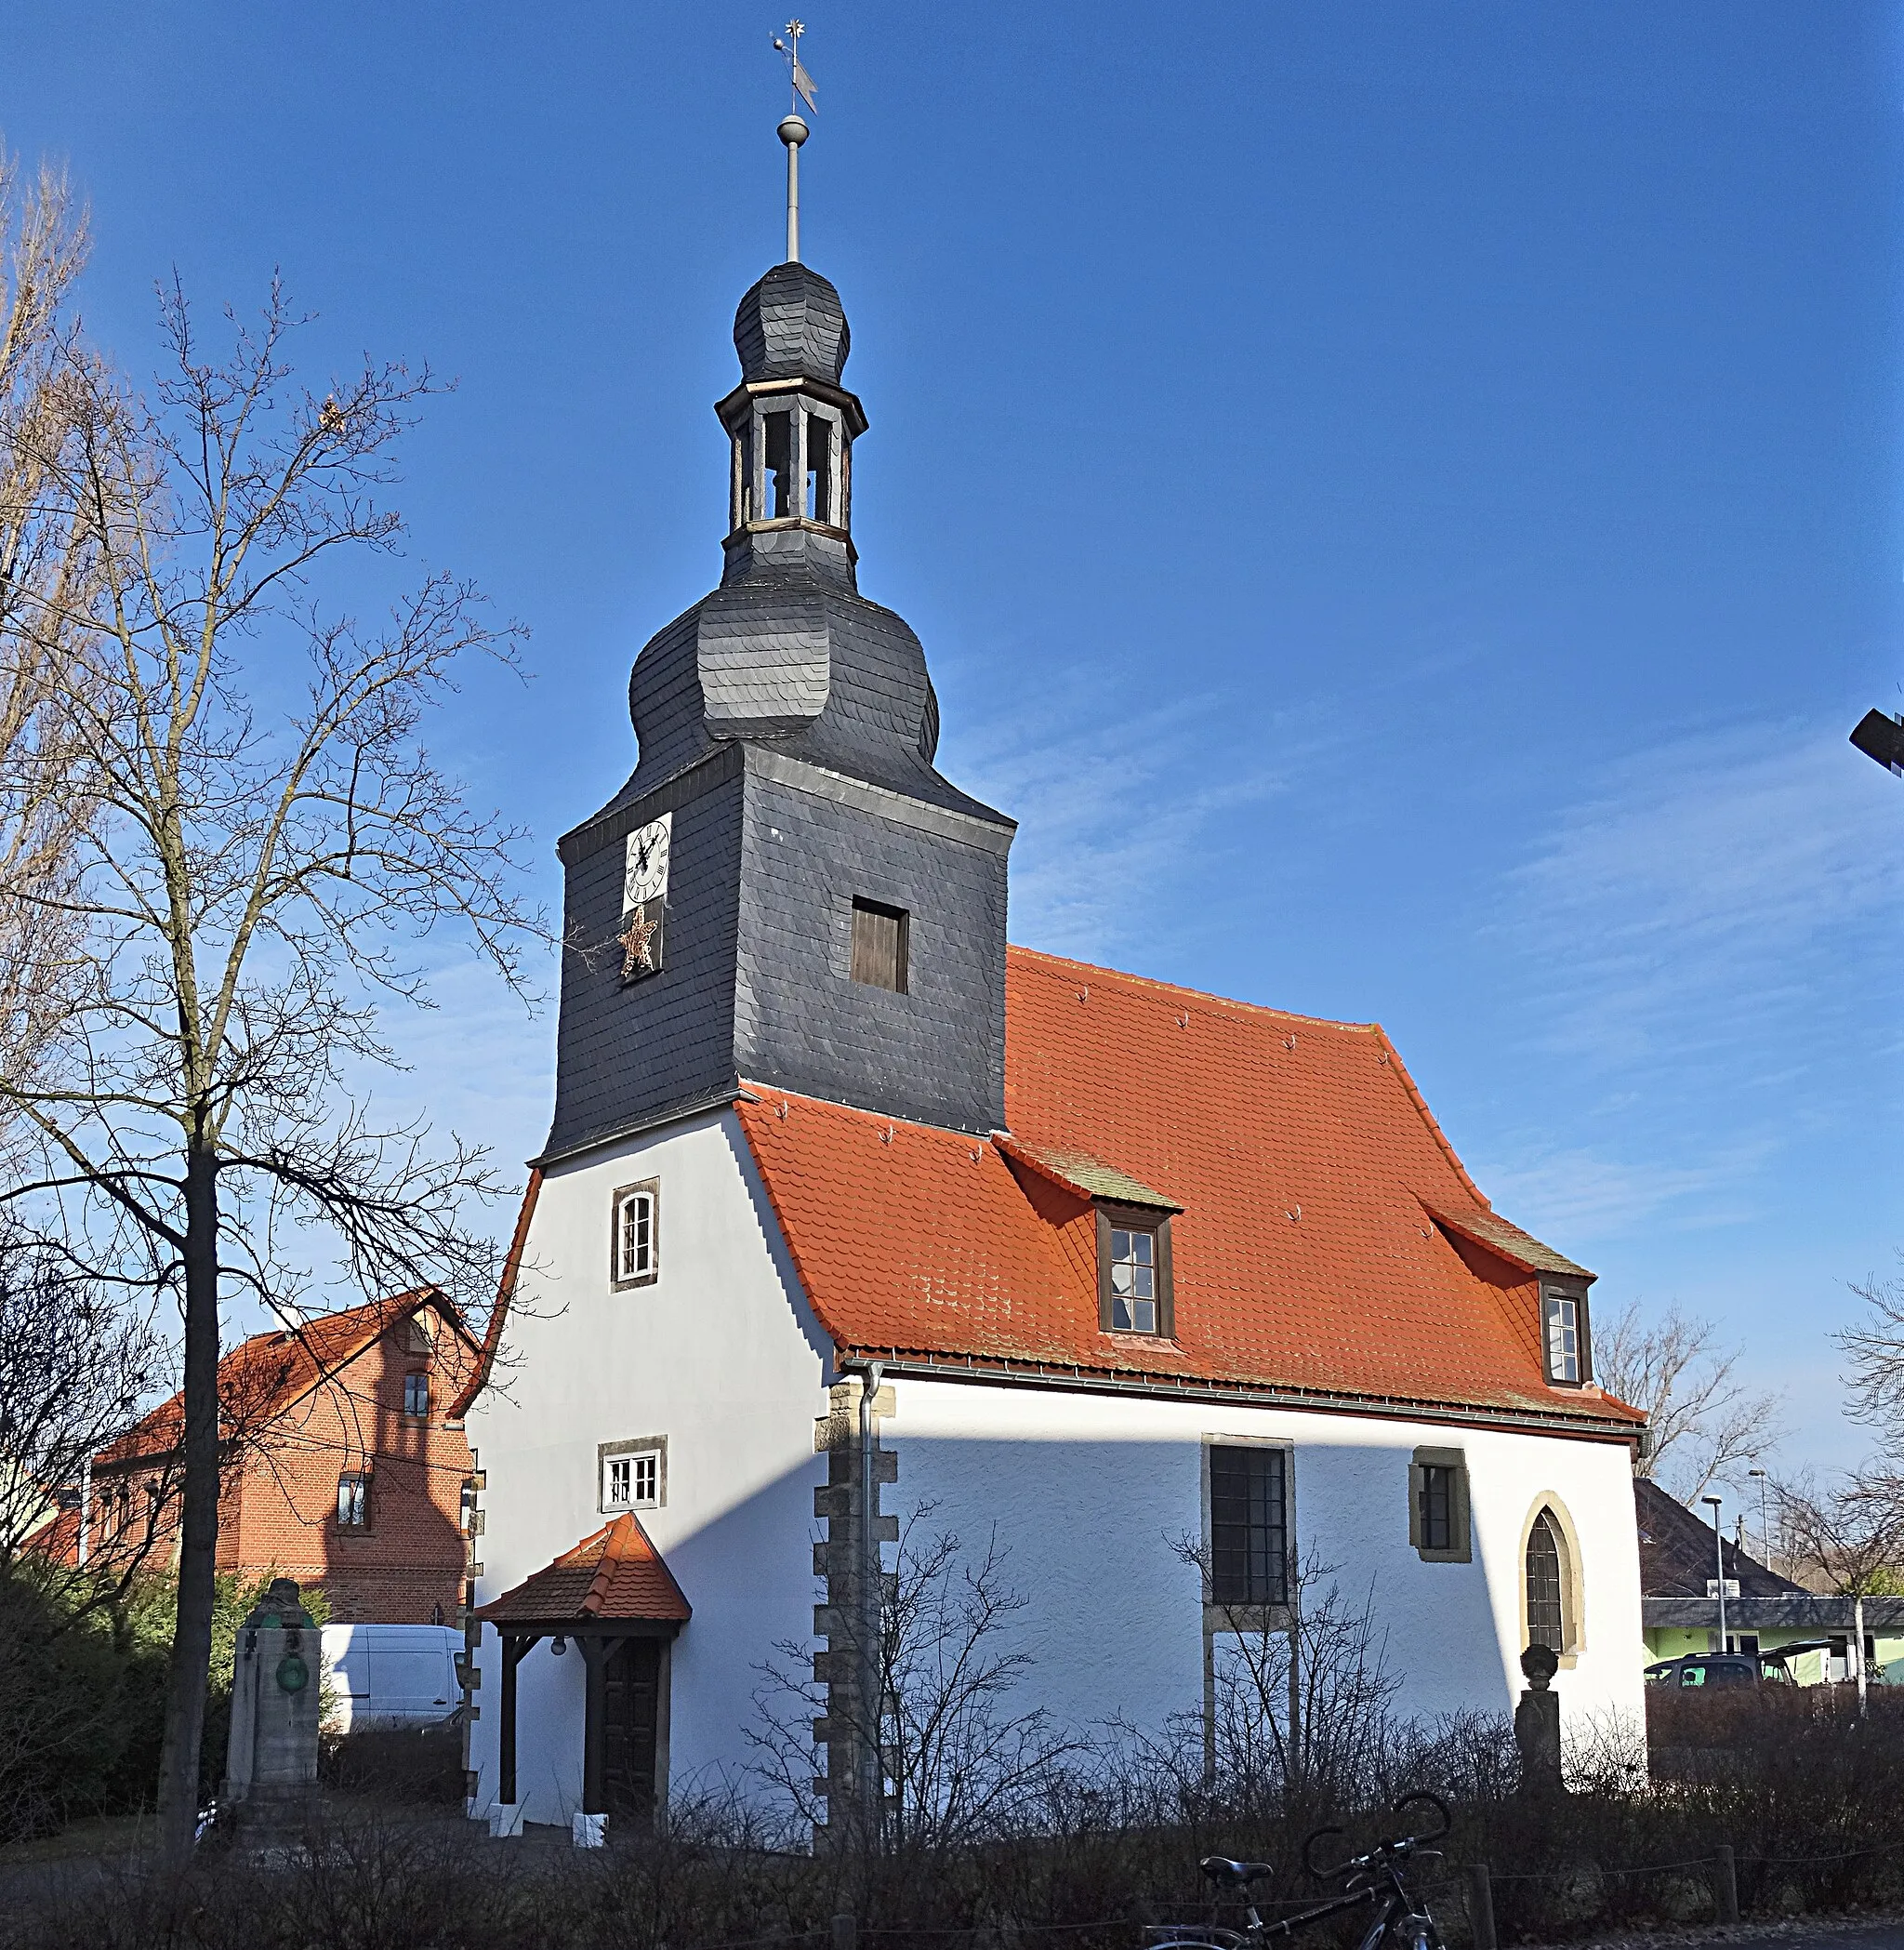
[{"x": 344, "y": 1464}]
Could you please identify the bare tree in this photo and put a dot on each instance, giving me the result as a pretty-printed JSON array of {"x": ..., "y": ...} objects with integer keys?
[
  {"x": 73, "y": 1366},
  {"x": 48, "y": 575},
  {"x": 1704, "y": 1421},
  {"x": 248, "y": 875},
  {"x": 1848, "y": 1539},
  {"x": 1874, "y": 1387},
  {"x": 962, "y": 1759}
]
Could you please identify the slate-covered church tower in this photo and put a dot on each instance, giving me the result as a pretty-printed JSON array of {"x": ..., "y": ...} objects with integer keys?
[{"x": 786, "y": 890}]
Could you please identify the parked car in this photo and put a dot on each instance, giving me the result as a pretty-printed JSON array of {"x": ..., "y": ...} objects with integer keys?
[
  {"x": 392, "y": 1675},
  {"x": 1720, "y": 1669}
]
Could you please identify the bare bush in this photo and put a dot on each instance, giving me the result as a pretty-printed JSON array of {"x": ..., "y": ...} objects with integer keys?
[{"x": 963, "y": 1759}]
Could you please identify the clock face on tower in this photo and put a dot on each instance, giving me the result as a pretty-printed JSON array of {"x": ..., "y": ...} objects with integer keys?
[
  {"x": 646, "y": 877},
  {"x": 644, "y": 898}
]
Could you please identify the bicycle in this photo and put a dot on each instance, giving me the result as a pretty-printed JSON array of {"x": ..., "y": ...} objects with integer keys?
[{"x": 1402, "y": 1919}]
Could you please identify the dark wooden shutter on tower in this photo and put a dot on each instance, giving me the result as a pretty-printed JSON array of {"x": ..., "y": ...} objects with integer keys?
[{"x": 878, "y": 945}]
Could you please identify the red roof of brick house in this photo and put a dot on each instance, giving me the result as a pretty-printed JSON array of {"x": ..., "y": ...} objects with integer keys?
[
  {"x": 615, "y": 1573},
  {"x": 1327, "y": 1243},
  {"x": 269, "y": 1372}
]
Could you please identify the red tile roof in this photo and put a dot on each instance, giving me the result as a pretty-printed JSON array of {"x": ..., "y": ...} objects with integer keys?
[
  {"x": 263, "y": 1376},
  {"x": 616, "y": 1573},
  {"x": 1306, "y": 1164}
]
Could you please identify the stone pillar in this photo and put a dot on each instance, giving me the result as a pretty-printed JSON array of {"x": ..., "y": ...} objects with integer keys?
[
  {"x": 841, "y": 1620},
  {"x": 271, "y": 1760},
  {"x": 1537, "y": 1724}
]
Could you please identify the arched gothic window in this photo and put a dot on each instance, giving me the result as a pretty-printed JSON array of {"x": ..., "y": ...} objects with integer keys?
[{"x": 1546, "y": 1604}]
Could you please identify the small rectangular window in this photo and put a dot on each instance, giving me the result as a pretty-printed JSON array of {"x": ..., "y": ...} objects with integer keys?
[
  {"x": 354, "y": 1502},
  {"x": 1566, "y": 1360},
  {"x": 635, "y": 1253},
  {"x": 634, "y": 1475},
  {"x": 1439, "y": 1506},
  {"x": 880, "y": 945},
  {"x": 417, "y": 1396},
  {"x": 1133, "y": 1280},
  {"x": 1248, "y": 1525},
  {"x": 467, "y": 1514}
]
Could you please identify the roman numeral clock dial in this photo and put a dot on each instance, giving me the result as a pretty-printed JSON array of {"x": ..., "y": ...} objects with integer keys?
[{"x": 644, "y": 898}]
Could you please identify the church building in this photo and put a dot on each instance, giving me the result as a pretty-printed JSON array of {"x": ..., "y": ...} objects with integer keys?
[{"x": 854, "y": 1220}]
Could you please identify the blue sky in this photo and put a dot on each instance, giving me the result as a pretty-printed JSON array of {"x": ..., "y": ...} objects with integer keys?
[{"x": 1401, "y": 501}]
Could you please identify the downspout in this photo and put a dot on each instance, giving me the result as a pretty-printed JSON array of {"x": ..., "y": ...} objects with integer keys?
[
  {"x": 871, "y": 1687},
  {"x": 86, "y": 1506}
]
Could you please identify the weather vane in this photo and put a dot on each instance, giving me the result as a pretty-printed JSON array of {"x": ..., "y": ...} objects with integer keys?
[
  {"x": 789, "y": 49},
  {"x": 793, "y": 130}
]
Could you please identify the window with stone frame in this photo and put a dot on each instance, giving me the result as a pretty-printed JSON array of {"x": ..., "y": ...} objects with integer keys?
[
  {"x": 1546, "y": 1594},
  {"x": 635, "y": 1242},
  {"x": 1249, "y": 1524},
  {"x": 1438, "y": 1520},
  {"x": 633, "y": 1474}
]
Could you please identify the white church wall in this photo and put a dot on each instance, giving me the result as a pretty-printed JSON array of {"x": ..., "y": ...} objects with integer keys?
[
  {"x": 1087, "y": 1495},
  {"x": 716, "y": 1357}
]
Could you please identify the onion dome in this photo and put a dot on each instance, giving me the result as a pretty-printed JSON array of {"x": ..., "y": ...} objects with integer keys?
[{"x": 791, "y": 325}]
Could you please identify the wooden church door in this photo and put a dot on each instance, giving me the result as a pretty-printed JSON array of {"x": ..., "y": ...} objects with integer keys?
[{"x": 630, "y": 1720}]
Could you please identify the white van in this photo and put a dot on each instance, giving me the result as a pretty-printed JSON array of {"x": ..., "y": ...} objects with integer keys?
[{"x": 392, "y": 1675}]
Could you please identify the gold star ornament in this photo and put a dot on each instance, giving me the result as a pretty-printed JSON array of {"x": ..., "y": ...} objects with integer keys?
[{"x": 637, "y": 940}]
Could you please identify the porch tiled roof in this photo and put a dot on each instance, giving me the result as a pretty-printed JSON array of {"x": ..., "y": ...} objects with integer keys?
[{"x": 615, "y": 1573}]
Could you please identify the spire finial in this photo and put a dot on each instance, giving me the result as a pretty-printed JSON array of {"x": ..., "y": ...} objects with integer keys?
[{"x": 793, "y": 131}]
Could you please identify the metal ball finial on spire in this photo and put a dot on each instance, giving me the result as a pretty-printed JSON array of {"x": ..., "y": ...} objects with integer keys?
[{"x": 793, "y": 130}]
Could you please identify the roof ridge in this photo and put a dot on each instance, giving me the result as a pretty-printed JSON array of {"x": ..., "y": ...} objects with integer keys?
[
  {"x": 763, "y": 1097},
  {"x": 1023, "y": 953}
]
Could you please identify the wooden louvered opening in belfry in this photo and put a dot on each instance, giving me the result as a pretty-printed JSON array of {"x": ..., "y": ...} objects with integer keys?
[{"x": 878, "y": 945}]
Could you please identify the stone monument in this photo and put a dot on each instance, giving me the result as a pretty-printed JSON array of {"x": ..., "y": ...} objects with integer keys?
[
  {"x": 1537, "y": 1724},
  {"x": 271, "y": 1761}
]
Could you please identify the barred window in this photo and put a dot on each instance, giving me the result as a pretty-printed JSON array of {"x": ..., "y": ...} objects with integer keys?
[
  {"x": 1438, "y": 1506},
  {"x": 1545, "y": 1616},
  {"x": 1248, "y": 1525}
]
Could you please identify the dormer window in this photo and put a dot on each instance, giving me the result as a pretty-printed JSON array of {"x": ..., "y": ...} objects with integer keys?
[
  {"x": 1133, "y": 1279},
  {"x": 1564, "y": 1336},
  {"x": 1134, "y": 1270}
]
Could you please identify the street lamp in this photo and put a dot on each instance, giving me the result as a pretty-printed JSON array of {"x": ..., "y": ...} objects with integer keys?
[{"x": 1719, "y": 1555}]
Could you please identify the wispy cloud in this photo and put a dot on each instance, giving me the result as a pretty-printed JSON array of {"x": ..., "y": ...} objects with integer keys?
[
  {"x": 1710, "y": 889},
  {"x": 1704, "y": 939},
  {"x": 1115, "y": 804}
]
